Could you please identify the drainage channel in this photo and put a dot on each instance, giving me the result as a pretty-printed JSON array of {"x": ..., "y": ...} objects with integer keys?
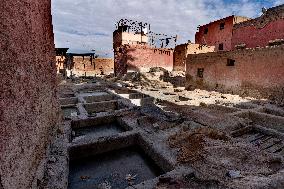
[{"x": 261, "y": 140}]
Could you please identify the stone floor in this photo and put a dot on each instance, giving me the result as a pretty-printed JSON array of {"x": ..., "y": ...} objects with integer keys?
[{"x": 120, "y": 133}]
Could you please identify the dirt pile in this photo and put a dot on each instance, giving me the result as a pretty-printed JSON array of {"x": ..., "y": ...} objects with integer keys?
[
  {"x": 216, "y": 156},
  {"x": 192, "y": 143}
]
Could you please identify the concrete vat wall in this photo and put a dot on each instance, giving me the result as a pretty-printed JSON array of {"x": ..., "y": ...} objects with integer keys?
[
  {"x": 141, "y": 58},
  {"x": 252, "y": 72},
  {"x": 28, "y": 104}
]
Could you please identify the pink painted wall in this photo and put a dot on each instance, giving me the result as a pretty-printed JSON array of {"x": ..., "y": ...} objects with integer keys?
[
  {"x": 255, "y": 69},
  {"x": 215, "y": 36},
  {"x": 141, "y": 58},
  {"x": 254, "y": 36}
]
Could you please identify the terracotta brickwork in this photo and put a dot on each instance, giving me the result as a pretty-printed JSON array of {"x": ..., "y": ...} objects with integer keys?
[
  {"x": 141, "y": 58},
  {"x": 253, "y": 72},
  {"x": 28, "y": 101},
  {"x": 258, "y": 32}
]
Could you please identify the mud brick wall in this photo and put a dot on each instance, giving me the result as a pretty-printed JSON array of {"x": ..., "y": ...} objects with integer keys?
[
  {"x": 28, "y": 102},
  {"x": 181, "y": 52},
  {"x": 92, "y": 66},
  {"x": 250, "y": 72},
  {"x": 141, "y": 58},
  {"x": 258, "y": 32}
]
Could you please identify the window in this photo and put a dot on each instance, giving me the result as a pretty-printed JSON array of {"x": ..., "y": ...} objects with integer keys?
[
  {"x": 222, "y": 26},
  {"x": 230, "y": 62},
  {"x": 200, "y": 72},
  {"x": 205, "y": 30},
  {"x": 221, "y": 46}
]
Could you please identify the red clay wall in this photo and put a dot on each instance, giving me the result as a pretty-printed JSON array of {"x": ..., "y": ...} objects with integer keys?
[
  {"x": 181, "y": 52},
  {"x": 215, "y": 36},
  {"x": 92, "y": 66},
  {"x": 28, "y": 102},
  {"x": 258, "y": 32},
  {"x": 141, "y": 58},
  {"x": 257, "y": 72}
]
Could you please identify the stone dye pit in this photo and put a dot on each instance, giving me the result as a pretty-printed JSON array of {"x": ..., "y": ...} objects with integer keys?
[
  {"x": 116, "y": 169},
  {"x": 70, "y": 111},
  {"x": 107, "y": 127}
]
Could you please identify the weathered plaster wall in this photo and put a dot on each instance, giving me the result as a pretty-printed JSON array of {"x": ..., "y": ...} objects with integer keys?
[
  {"x": 181, "y": 52},
  {"x": 128, "y": 38},
  {"x": 258, "y": 32},
  {"x": 28, "y": 102},
  {"x": 215, "y": 36},
  {"x": 90, "y": 66},
  {"x": 256, "y": 72},
  {"x": 141, "y": 58}
]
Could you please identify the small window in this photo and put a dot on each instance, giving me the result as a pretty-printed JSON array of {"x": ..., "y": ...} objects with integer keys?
[
  {"x": 230, "y": 62},
  {"x": 205, "y": 30},
  {"x": 222, "y": 26},
  {"x": 221, "y": 46},
  {"x": 200, "y": 72}
]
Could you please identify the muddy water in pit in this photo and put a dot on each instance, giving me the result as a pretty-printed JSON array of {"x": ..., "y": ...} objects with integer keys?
[
  {"x": 100, "y": 130},
  {"x": 112, "y": 169},
  {"x": 67, "y": 111}
]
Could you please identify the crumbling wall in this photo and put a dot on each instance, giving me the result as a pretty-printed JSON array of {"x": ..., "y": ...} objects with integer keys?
[
  {"x": 140, "y": 58},
  {"x": 258, "y": 32},
  {"x": 90, "y": 66},
  {"x": 181, "y": 52},
  {"x": 28, "y": 105},
  {"x": 250, "y": 72}
]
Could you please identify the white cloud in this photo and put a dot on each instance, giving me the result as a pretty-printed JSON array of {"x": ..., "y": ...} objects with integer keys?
[{"x": 83, "y": 25}]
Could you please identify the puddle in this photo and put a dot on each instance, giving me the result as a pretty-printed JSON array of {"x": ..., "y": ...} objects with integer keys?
[
  {"x": 101, "y": 130},
  {"x": 68, "y": 111},
  {"x": 115, "y": 169}
]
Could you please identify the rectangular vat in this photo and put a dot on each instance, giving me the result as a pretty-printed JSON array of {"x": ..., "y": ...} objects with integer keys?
[
  {"x": 69, "y": 110},
  {"x": 98, "y": 97},
  {"x": 99, "y": 127},
  {"x": 264, "y": 120},
  {"x": 105, "y": 106},
  {"x": 114, "y": 169}
]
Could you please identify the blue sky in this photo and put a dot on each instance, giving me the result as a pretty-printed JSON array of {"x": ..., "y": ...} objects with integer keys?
[{"x": 83, "y": 25}]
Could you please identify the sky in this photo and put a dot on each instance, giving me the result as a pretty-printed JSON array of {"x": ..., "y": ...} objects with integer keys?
[{"x": 84, "y": 25}]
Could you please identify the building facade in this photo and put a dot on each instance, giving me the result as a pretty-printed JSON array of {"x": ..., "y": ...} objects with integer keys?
[
  {"x": 218, "y": 33},
  {"x": 260, "y": 32}
]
